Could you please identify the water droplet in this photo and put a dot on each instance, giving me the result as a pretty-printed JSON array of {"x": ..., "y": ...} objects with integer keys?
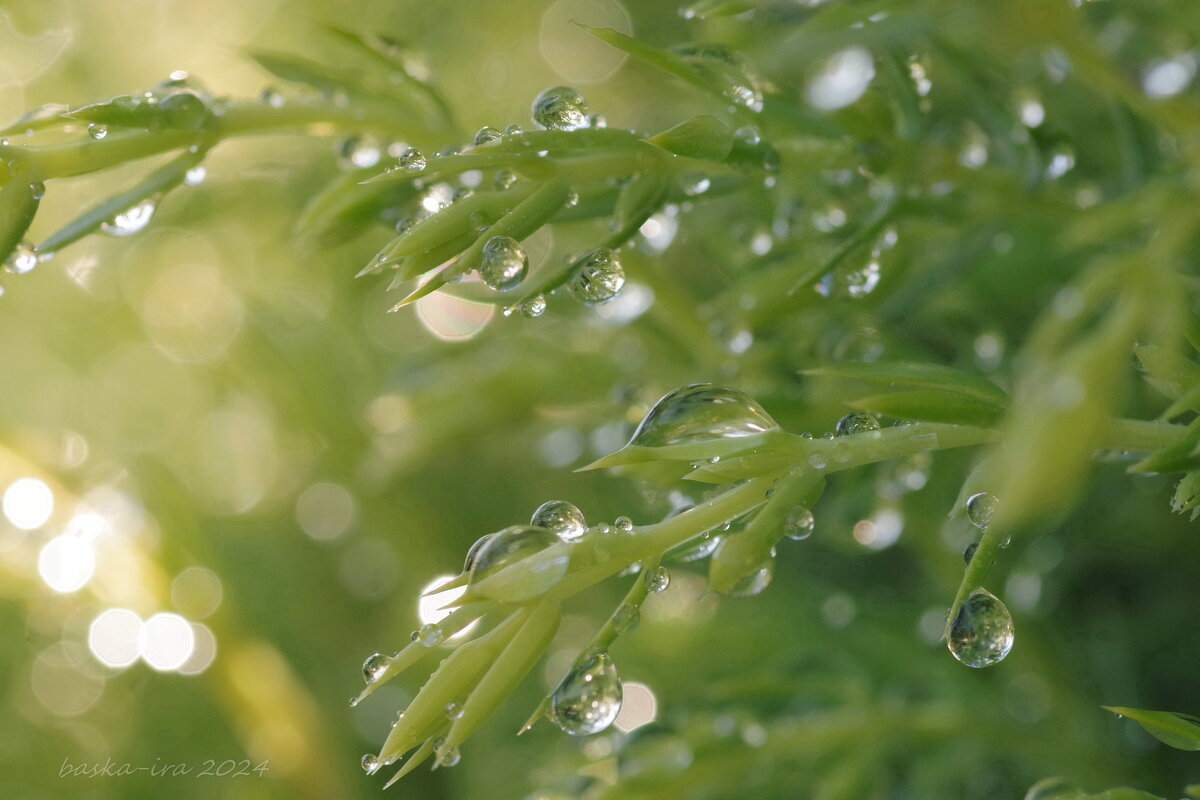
[
  {"x": 969, "y": 552},
  {"x": 503, "y": 264},
  {"x": 1169, "y": 76},
  {"x": 22, "y": 259},
  {"x": 473, "y": 551},
  {"x": 818, "y": 461},
  {"x": 981, "y": 509},
  {"x": 270, "y": 96},
  {"x": 799, "y": 523},
  {"x": 754, "y": 582},
  {"x": 623, "y": 524},
  {"x": 514, "y": 544},
  {"x": 411, "y": 160},
  {"x": 37, "y": 190},
  {"x": 534, "y": 307},
  {"x": 560, "y": 109},
  {"x": 561, "y": 517},
  {"x": 598, "y": 279},
  {"x": 130, "y": 221},
  {"x": 504, "y": 179},
  {"x": 700, "y": 547},
  {"x": 486, "y": 135},
  {"x": 589, "y": 698},
  {"x": 513, "y": 130},
  {"x": 97, "y": 130},
  {"x": 658, "y": 580},
  {"x": 359, "y": 152},
  {"x": 454, "y": 711},
  {"x": 572, "y": 199},
  {"x": 195, "y": 176},
  {"x": 982, "y": 633},
  {"x": 430, "y": 635},
  {"x": 448, "y": 756},
  {"x": 374, "y": 666},
  {"x": 597, "y": 121},
  {"x": 1056, "y": 788},
  {"x": 856, "y": 422},
  {"x": 728, "y": 69},
  {"x": 694, "y": 184},
  {"x": 626, "y": 618},
  {"x": 370, "y": 764},
  {"x": 841, "y": 80},
  {"x": 700, "y": 412}
]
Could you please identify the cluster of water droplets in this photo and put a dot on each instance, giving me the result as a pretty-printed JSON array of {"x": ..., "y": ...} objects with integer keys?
[
  {"x": 982, "y": 632},
  {"x": 589, "y": 698}
]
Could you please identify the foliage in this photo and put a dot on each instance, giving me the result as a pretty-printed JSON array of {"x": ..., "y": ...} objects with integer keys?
[{"x": 960, "y": 237}]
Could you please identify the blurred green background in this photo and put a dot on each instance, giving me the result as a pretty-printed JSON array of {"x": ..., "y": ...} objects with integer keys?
[{"x": 243, "y": 437}]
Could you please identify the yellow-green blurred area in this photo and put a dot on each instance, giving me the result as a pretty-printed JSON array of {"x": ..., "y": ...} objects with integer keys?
[{"x": 228, "y": 472}]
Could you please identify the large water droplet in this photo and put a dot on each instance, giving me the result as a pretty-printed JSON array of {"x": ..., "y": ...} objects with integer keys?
[
  {"x": 454, "y": 711},
  {"x": 130, "y": 221},
  {"x": 799, "y": 523},
  {"x": 22, "y": 259},
  {"x": 486, "y": 135},
  {"x": 700, "y": 412},
  {"x": 411, "y": 160},
  {"x": 97, "y": 130},
  {"x": 448, "y": 756},
  {"x": 981, "y": 509},
  {"x": 561, "y": 517},
  {"x": 560, "y": 109},
  {"x": 473, "y": 552},
  {"x": 982, "y": 633},
  {"x": 588, "y": 699},
  {"x": 1056, "y": 788},
  {"x": 856, "y": 422},
  {"x": 514, "y": 544},
  {"x": 623, "y": 524},
  {"x": 370, "y": 764},
  {"x": 374, "y": 666},
  {"x": 504, "y": 179},
  {"x": 429, "y": 635},
  {"x": 754, "y": 582},
  {"x": 195, "y": 176},
  {"x": 598, "y": 279},
  {"x": 503, "y": 264},
  {"x": 658, "y": 580}
]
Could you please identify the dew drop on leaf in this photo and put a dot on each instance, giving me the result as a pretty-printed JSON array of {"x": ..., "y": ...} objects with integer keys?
[
  {"x": 981, "y": 509},
  {"x": 503, "y": 264},
  {"x": 727, "y": 69},
  {"x": 22, "y": 259},
  {"x": 411, "y": 160},
  {"x": 700, "y": 412},
  {"x": 430, "y": 635},
  {"x": 560, "y": 109},
  {"x": 598, "y": 279},
  {"x": 623, "y": 524},
  {"x": 589, "y": 698},
  {"x": 97, "y": 130},
  {"x": 561, "y": 517},
  {"x": 486, "y": 135},
  {"x": 982, "y": 633},
  {"x": 504, "y": 179},
  {"x": 473, "y": 551},
  {"x": 370, "y": 764},
  {"x": 130, "y": 221},
  {"x": 448, "y": 756},
  {"x": 454, "y": 711},
  {"x": 516, "y": 543},
  {"x": 799, "y": 524},
  {"x": 755, "y": 582},
  {"x": 658, "y": 580},
  {"x": 969, "y": 552},
  {"x": 359, "y": 152},
  {"x": 195, "y": 176},
  {"x": 856, "y": 422},
  {"x": 374, "y": 666}
]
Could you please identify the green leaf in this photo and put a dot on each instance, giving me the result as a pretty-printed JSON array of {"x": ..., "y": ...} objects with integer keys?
[
  {"x": 18, "y": 206},
  {"x": 931, "y": 406},
  {"x": 701, "y": 137},
  {"x": 945, "y": 393},
  {"x": 158, "y": 182},
  {"x": 1187, "y": 495},
  {"x": 1183, "y": 456},
  {"x": 1180, "y": 731}
]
